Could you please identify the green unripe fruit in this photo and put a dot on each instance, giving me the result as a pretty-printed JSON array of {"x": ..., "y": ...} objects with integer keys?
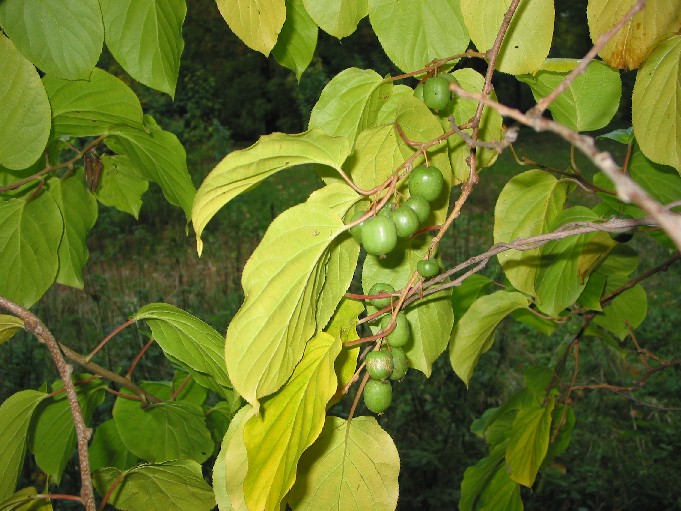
[
  {"x": 427, "y": 268},
  {"x": 400, "y": 364},
  {"x": 387, "y": 210},
  {"x": 379, "y": 364},
  {"x": 356, "y": 231},
  {"x": 379, "y": 235},
  {"x": 426, "y": 182},
  {"x": 400, "y": 335},
  {"x": 418, "y": 91},
  {"x": 378, "y": 395},
  {"x": 436, "y": 93},
  {"x": 406, "y": 221},
  {"x": 420, "y": 206},
  {"x": 381, "y": 288}
]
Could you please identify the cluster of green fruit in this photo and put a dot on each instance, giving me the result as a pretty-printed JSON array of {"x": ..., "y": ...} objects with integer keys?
[
  {"x": 378, "y": 234},
  {"x": 389, "y": 363},
  {"x": 435, "y": 91}
]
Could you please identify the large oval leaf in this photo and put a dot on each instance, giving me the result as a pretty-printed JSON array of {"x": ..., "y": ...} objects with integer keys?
[
  {"x": 25, "y": 111},
  {"x": 283, "y": 282},
  {"x": 15, "y": 416},
  {"x": 350, "y": 466},
  {"x": 145, "y": 37},
  {"x": 62, "y": 37},
  {"x": 632, "y": 44},
  {"x": 528, "y": 39},
  {"x": 337, "y": 17},
  {"x": 526, "y": 206},
  {"x": 414, "y": 32},
  {"x": 474, "y": 333},
  {"x": 31, "y": 235},
  {"x": 656, "y": 115},
  {"x": 176, "y": 485},
  {"x": 297, "y": 40},
  {"x": 289, "y": 422},
  {"x": 256, "y": 22},
  {"x": 240, "y": 171},
  {"x": 231, "y": 465},
  {"x": 589, "y": 103}
]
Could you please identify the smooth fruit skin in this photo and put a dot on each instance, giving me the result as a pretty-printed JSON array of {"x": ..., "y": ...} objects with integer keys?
[
  {"x": 378, "y": 289},
  {"x": 426, "y": 182},
  {"x": 379, "y": 364},
  {"x": 378, "y": 395},
  {"x": 420, "y": 206},
  {"x": 436, "y": 93},
  {"x": 406, "y": 221},
  {"x": 428, "y": 268},
  {"x": 379, "y": 235},
  {"x": 400, "y": 364},
  {"x": 400, "y": 335},
  {"x": 356, "y": 231}
]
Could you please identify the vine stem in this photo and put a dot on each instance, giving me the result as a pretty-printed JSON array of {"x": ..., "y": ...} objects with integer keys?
[{"x": 33, "y": 324}]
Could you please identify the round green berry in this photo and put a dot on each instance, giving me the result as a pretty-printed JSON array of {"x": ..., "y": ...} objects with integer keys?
[
  {"x": 356, "y": 231},
  {"x": 420, "y": 206},
  {"x": 426, "y": 182},
  {"x": 379, "y": 364},
  {"x": 427, "y": 268},
  {"x": 381, "y": 288},
  {"x": 400, "y": 364},
  {"x": 378, "y": 395},
  {"x": 436, "y": 93},
  {"x": 379, "y": 235},
  {"x": 400, "y": 335},
  {"x": 406, "y": 221}
]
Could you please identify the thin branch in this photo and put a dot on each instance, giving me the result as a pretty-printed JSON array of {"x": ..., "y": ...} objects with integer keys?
[
  {"x": 108, "y": 338},
  {"x": 83, "y": 433}
]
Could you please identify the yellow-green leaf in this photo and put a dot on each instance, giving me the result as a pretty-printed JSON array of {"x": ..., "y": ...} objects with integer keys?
[
  {"x": 256, "y": 22},
  {"x": 634, "y": 42},
  {"x": 9, "y": 325},
  {"x": 474, "y": 333},
  {"x": 288, "y": 423},
  {"x": 25, "y": 500},
  {"x": 240, "y": 171},
  {"x": 337, "y": 17},
  {"x": 297, "y": 40},
  {"x": 231, "y": 465},
  {"x": 25, "y": 111},
  {"x": 284, "y": 306},
  {"x": 526, "y": 206},
  {"x": 528, "y": 39},
  {"x": 349, "y": 467},
  {"x": 656, "y": 114}
]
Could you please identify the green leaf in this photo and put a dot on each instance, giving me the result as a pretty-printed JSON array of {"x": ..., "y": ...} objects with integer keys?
[
  {"x": 470, "y": 290},
  {"x": 491, "y": 126},
  {"x": 337, "y": 17},
  {"x": 231, "y": 465},
  {"x": 661, "y": 182},
  {"x": 31, "y": 235},
  {"x": 413, "y": 32},
  {"x": 78, "y": 208},
  {"x": 350, "y": 103},
  {"x": 529, "y": 442},
  {"x": 350, "y": 466},
  {"x": 9, "y": 325},
  {"x": 163, "y": 431},
  {"x": 297, "y": 40},
  {"x": 52, "y": 434},
  {"x": 256, "y": 22},
  {"x": 175, "y": 485},
  {"x": 101, "y": 105},
  {"x": 476, "y": 479},
  {"x": 337, "y": 196},
  {"x": 655, "y": 113},
  {"x": 108, "y": 450},
  {"x": 589, "y": 103},
  {"x": 528, "y": 38},
  {"x": 25, "y": 500},
  {"x": 241, "y": 171},
  {"x": 623, "y": 136},
  {"x": 501, "y": 494},
  {"x": 62, "y": 37},
  {"x": 637, "y": 38},
  {"x": 563, "y": 440},
  {"x": 287, "y": 300},
  {"x": 25, "y": 113},
  {"x": 628, "y": 309},
  {"x": 289, "y": 422},
  {"x": 120, "y": 186},
  {"x": 560, "y": 281},
  {"x": 158, "y": 156},
  {"x": 474, "y": 333},
  {"x": 15, "y": 416},
  {"x": 145, "y": 37},
  {"x": 343, "y": 326},
  {"x": 195, "y": 345},
  {"x": 430, "y": 319},
  {"x": 526, "y": 206}
]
